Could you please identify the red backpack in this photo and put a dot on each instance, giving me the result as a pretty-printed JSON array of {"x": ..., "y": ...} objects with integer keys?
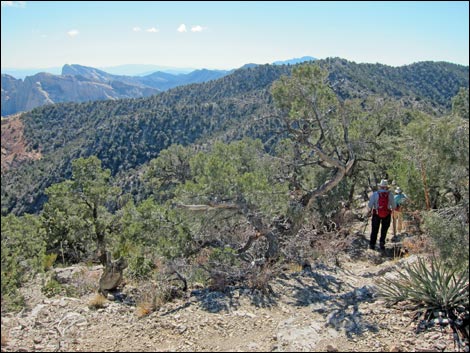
[{"x": 383, "y": 210}]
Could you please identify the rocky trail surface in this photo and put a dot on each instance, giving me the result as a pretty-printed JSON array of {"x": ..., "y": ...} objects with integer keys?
[{"x": 318, "y": 308}]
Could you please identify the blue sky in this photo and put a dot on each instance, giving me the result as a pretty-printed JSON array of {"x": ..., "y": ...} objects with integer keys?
[{"x": 225, "y": 35}]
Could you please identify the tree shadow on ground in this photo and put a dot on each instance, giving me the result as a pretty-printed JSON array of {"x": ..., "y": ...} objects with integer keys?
[{"x": 336, "y": 300}]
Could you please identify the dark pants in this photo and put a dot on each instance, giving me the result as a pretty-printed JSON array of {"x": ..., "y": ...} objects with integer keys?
[{"x": 376, "y": 221}]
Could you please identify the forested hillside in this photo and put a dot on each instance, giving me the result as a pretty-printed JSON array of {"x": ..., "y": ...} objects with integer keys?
[
  {"x": 127, "y": 133},
  {"x": 434, "y": 82}
]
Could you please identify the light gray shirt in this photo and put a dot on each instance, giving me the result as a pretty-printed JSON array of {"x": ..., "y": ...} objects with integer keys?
[{"x": 374, "y": 200}]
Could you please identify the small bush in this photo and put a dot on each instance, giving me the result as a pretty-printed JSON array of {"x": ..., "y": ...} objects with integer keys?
[
  {"x": 449, "y": 231},
  {"x": 219, "y": 281},
  {"x": 259, "y": 280},
  {"x": 48, "y": 261},
  {"x": 144, "y": 309},
  {"x": 97, "y": 302},
  {"x": 13, "y": 301},
  {"x": 52, "y": 288},
  {"x": 22, "y": 250},
  {"x": 140, "y": 267}
]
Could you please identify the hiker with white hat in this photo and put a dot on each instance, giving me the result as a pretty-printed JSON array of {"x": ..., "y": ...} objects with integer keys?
[
  {"x": 381, "y": 203},
  {"x": 397, "y": 215}
]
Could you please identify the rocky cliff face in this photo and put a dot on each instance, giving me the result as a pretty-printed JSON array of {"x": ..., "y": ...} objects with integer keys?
[
  {"x": 44, "y": 88},
  {"x": 81, "y": 83},
  {"x": 10, "y": 86}
]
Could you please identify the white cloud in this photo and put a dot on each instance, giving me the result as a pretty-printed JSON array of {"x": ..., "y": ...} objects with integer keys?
[
  {"x": 196, "y": 28},
  {"x": 182, "y": 28},
  {"x": 152, "y": 30},
  {"x": 14, "y": 4},
  {"x": 73, "y": 33},
  {"x": 136, "y": 29}
]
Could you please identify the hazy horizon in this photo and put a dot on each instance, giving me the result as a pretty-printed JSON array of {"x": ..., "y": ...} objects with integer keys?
[
  {"x": 126, "y": 69},
  {"x": 226, "y": 35}
]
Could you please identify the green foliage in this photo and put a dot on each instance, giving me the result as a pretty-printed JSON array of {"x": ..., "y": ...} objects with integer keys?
[
  {"x": 76, "y": 213},
  {"x": 239, "y": 171},
  {"x": 436, "y": 288},
  {"x": 170, "y": 169},
  {"x": 224, "y": 257},
  {"x": 433, "y": 158},
  {"x": 312, "y": 108},
  {"x": 48, "y": 261},
  {"x": 23, "y": 249},
  {"x": 52, "y": 288},
  {"x": 127, "y": 133},
  {"x": 155, "y": 228},
  {"x": 450, "y": 234},
  {"x": 416, "y": 84},
  {"x": 460, "y": 103},
  {"x": 68, "y": 233},
  {"x": 139, "y": 267}
]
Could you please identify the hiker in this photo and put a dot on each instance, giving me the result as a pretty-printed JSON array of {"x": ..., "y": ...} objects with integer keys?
[
  {"x": 397, "y": 215},
  {"x": 381, "y": 203}
]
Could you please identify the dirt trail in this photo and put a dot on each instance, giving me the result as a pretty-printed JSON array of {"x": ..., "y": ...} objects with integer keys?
[{"x": 322, "y": 308}]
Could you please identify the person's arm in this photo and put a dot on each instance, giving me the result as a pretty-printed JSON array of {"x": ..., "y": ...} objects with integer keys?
[
  {"x": 371, "y": 204},
  {"x": 391, "y": 201}
]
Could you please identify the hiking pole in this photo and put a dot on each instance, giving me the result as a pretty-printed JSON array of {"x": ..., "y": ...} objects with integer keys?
[{"x": 365, "y": 223}]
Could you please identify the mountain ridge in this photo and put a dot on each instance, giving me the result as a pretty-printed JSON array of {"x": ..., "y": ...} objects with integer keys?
[
  {"x": 79, "y": 83},
  {"x": 127, "y": 133}
]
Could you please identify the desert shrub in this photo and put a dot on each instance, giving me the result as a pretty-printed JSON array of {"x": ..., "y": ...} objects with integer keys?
[
  {"x": 449, "y": 231},
  {"x": 48, "y": 261},
  {"x": 260, "y": 279},
  {"x": 52, "y": 288},
  {"x": 23, "y": 247},
  {"x": 139, "y": 267}
]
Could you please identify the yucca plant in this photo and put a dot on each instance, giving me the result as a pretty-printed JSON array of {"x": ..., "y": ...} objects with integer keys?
[{"x": 436, "y": 289}]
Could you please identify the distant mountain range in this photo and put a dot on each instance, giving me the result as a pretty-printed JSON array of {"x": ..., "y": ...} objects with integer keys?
[
  {"x": 78, "y": 83},
  {"x": 129, "y": 70},
  {"x": 132, "y": 69},
  {"x": 295, "y": 61},
  {"x": 81, "y": 84}
]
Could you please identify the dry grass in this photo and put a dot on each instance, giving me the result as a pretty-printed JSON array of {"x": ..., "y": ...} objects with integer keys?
[
  {"x": 144, "y": 309},
  {"x": 219, "y": 281},
  {"x": 202, "y": 258},
  {"x": 294, "y": 267},
  {"x": 417, "y": 245},
  {"x": 260, "y": 280},
  {"x": 97, "y": 301},
  {"x": 4, "y": 339}
]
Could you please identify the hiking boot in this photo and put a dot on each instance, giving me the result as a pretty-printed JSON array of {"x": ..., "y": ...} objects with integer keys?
[
  {"x": 372, "y": 247},
  {"x": 382, "y": 247}
]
